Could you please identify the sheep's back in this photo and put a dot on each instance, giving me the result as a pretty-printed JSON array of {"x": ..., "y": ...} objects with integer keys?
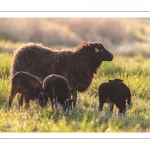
[
  {"x": 118, "y": 89},
  {"x": 25, "y": 83},
  {"x": 55, "y": 84},
  {"x": 40, "y": 61}
]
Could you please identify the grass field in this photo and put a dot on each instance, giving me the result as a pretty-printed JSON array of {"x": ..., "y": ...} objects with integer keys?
[{"x": 134, "y": 71}]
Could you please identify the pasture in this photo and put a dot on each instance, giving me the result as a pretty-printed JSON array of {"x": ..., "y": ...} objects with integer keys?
[{"x": 134, "y": 71}]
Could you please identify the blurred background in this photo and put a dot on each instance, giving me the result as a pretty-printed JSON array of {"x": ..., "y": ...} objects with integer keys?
[{"x": 122, "y": 36}]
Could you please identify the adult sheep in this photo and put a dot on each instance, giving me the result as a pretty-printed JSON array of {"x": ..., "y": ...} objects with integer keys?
[{"x": 78, "y": 65}]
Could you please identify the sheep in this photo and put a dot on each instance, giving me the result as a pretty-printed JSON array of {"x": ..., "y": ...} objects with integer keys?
[
  {"x": 57, "y": 88},
  {"x": 78, "y": 65},
  {"x": 114, "y": 92},
  {"x": 29, "y": 87}
]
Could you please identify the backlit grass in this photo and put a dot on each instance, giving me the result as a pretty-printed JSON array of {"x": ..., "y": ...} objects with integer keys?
[{"x": 85, "y": 117}]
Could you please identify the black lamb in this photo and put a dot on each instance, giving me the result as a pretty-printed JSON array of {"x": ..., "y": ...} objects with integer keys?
[
  {"x": 59, "y": 91},
  {"x": 114, "y": 92},
  {"x": 30, "y": 88}
]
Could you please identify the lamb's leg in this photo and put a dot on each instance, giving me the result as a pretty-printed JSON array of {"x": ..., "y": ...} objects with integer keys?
[
  {"x": 11, "y": 96},
  {"x": 101, "y": 104},
  {"x": 74, "y": 99},
  {"x": 111, "y": 106},
  {"x": 27, "y": 100},
  {"x": 122, "y": 108},
  {"x": 21, "y": 101}
]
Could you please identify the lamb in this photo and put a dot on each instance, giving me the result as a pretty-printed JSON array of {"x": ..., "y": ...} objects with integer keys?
[
  {"x": 116, "y": 92},
  {"x": 78, "y": 65},
  {"x": 30, "y": 87},
  {"x": 59, "y": 91}
]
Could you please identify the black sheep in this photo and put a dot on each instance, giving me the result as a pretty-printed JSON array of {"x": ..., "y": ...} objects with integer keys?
[
  {"x": 29, "y": 86},
  {"x": 78, "y": 65},
  {"x": 116, "y": 92},
  {"x": 59, "y": 91}
]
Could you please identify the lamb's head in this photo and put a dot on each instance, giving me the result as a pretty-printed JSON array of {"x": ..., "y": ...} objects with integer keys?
[
  {"x": 100, "y": 52},
  {"x": 40, "y": 96},
  {"x": 67, "y": 105},
  {"x": 42, "y": 99}
]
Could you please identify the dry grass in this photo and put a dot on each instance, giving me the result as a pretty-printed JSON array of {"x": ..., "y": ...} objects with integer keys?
[{"x": 69, "y": 31}]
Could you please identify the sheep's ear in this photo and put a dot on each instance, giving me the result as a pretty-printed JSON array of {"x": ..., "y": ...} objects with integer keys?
[{"x": 96, "y": 50}]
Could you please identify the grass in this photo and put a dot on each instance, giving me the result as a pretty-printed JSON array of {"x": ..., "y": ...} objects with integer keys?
[{"x": 134, "y": 71}]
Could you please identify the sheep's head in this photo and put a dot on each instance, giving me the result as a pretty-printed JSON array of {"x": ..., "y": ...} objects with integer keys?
[
  {"x": 100, "y": 52},
  {"x": 67, "y": 105},
  {"x": 40, "y": 96}
]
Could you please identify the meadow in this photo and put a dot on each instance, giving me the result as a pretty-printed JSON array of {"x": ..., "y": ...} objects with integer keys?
[
  {"x": 131, "y": 64},
  {"x": 135, "y": 73}
]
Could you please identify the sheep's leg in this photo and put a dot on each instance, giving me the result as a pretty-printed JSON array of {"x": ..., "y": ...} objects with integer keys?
[
  {"x": 53, "y": 103},
  {"x": 122, "y": 109},
  {"x": 21, "y": 101},
  {"x": 111, "y": 106},
  {"x": 11, "y": 96},
  {"x": 119, "y": 112},
  {"x": 101, "y": 104},
  {"x": 27, "y": 100},
  {"x": 63, "y": 107},
  {"x": 74, "y": 99}
]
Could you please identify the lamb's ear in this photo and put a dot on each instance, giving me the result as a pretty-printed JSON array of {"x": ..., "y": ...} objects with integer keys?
[{"x": 96, "y": 50}]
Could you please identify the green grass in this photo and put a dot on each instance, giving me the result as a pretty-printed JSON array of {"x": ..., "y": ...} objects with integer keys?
[{"x": 134, "y": 71}]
